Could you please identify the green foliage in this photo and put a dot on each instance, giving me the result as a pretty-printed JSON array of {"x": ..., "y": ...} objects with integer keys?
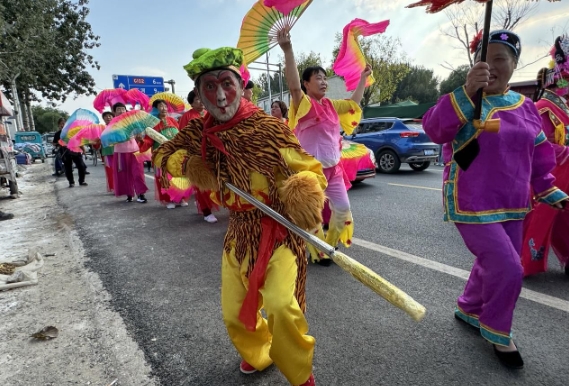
[
  {"x": 47, "y": 43},
  {"x": 45, "y": 118},
  {"x": 420, "y": 85},
  {"x": 456, "y": 79}
]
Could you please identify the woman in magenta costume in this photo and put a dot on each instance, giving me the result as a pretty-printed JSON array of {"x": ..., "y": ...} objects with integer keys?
[
  {"x": 545, "y": 227},
  {"x": 317, "y": 122},
  {"x": 204, "y": 203},
  {"x": 128, "y": 173},
  {"x": 168, "y": 127},
  {"x": 486, "y": 181},
  {"x": 107, "y": 154}
]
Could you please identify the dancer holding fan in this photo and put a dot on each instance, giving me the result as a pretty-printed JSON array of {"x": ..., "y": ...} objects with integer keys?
[
  {"x": 168, "y": 127},
  {"x": 128, "y": 173},
  {"x": 317, "y": 122}
]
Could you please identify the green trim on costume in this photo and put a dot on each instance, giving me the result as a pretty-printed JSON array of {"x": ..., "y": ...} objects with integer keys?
[
  {"x": 494, "y": 336},
  {"x": 464, "y": 107},
  {"x": 554, "y": 197},
  {"x": 468, "y": 318},
  {"x": 541, "y": 138}
]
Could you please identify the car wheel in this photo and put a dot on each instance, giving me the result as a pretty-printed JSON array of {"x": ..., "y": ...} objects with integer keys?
[
  {"x": 388, "y": 162},
  {"x": 420, "y": 166}
]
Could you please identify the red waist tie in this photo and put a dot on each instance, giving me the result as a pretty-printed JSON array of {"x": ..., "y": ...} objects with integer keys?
[{"x": 271, "y": 233}]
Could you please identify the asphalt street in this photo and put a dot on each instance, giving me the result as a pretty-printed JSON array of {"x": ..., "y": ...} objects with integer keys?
[{"x": 162, "y": 268}]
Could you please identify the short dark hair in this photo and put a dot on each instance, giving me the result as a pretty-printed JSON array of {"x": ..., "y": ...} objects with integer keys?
[
  {"x": 61, "y": 120},
  {"x": 117, "y": 105},
  {"x": 307, "y": 74},
  {"x": 282, "y": 106},
  {"x": 157, "y": 102},
  {"x": 108, "y": 113},
  {"x": 249, "y": 85},
  {"x": 191, "y": 96}
]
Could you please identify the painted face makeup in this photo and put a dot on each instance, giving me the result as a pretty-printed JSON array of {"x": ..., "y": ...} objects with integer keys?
[{"x": 220, "y": 91}]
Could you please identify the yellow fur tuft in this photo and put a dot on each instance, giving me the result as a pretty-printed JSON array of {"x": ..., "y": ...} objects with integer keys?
[
  {"x": 200, "y": 175},
  {"x": 303, "y": 199}
]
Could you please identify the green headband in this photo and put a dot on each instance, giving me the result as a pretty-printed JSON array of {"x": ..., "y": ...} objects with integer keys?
[{"x": 207, "y": 60}]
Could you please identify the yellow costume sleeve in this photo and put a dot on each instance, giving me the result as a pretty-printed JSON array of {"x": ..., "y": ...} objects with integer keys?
[
  {"x": 295, "y": 113},
  {"x": 349, "y": 112}
]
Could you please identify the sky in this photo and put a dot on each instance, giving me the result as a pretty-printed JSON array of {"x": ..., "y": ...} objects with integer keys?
[{"x": 157, "y": 38}]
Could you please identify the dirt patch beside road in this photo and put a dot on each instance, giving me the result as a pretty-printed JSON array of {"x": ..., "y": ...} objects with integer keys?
[{"x": 93, "y": 346}]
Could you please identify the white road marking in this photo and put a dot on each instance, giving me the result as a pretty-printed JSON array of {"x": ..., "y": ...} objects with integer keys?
[
  {"x": 415, "y": 186},
  {"x": 538, "y": 297}
]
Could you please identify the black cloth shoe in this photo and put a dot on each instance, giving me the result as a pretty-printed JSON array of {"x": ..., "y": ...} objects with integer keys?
[
  {"x": 71, "y": 185},
  {"x": 512, "y": 359},
  {"x": 567, "y": 270},
  {"x": 83, "y": 184},
  {"x": 86, "y": 172},
  {"x": 465, "y": 322},
  {"x": 128, "y": 198},
  {"x": 142, "y": 199}
]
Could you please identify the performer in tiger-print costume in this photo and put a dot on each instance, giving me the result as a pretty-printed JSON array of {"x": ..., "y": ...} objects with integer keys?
[{"x": 263, "y": 265}]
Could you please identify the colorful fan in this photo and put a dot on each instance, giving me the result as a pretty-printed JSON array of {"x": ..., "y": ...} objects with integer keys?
[
  {"x": 180, "y": 188},
  {"x": 80, "y": 117},
  {"x": 355, "y": 156},
  {"x": 175, "y": 103},
  {"x": 135, "y": 96},
  {"x": 110, "y": 97},
  {"x": 127, "y": 126},
  {"x": 86, "y": 135},
  {"x": 261, "y": 25},
  {"x": 351, "y": 60},
  {"x": 283, "y": 6}
]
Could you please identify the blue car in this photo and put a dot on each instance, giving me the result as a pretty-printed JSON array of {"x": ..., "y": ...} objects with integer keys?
[{"x": 395, "y": 141}]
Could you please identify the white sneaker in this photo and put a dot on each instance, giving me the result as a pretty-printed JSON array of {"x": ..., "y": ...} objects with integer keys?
[
  {"x": 210, "y": 219},
  {"x": 171, "y": 206},
  {"x": 183, "y": 203}
]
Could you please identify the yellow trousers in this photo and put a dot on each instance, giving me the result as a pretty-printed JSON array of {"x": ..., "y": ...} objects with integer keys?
[{"x": 281, "y": 338}]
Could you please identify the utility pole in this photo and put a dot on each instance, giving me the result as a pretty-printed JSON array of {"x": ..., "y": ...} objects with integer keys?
[
  {"x": 281, "y": 80},
  {"x": 17, "y": 106},
  {"x": 269, "y": 79},
  {"x": 171, "y": 82}
]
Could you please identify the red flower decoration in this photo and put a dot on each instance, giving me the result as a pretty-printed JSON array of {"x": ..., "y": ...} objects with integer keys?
[
  {"x": 475, "y": 42},
  {"x": 348, "y": 223},
  {"x": 349, "y": 242},
  {"x": 354, "y": 123},
  {"x": 352, "y": 111}
]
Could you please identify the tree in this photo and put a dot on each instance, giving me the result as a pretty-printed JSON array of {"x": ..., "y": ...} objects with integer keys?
[
  {"x": 46, "y": 118},
  {"x": 467, "y": 19},
  {"x": 388, "y": 62},
  {"x": 47, "y": 43},
  {"x": 419, "y": 85},
  {"x": 456, "y": 79}
]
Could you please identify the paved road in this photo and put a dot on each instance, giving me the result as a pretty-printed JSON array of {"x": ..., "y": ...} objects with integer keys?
[{"x": 162, "y": 268}]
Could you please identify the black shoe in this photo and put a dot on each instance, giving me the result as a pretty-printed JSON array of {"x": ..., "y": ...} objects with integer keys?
[
  {"x": 83, "y": 184},
  {"x": 567, "y": 270},
  {"x": 512, "y": 359},
  {"x": 86, "y": 172},
  {"x": 128, "y": 198},
  {"x": 324, "y": 262},
  {"x": 142, "y": 199},
  {"x": 71, "y": 185}
]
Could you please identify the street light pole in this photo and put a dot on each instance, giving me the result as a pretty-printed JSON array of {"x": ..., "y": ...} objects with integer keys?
[{"x": 171, "y": 82}]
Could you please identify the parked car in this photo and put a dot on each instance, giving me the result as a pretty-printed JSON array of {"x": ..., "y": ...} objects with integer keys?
[
  {"x": 395, "y": 141},
  {"x": 31, "y": 142}
]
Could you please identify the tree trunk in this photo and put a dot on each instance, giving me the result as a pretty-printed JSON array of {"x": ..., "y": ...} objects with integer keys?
[
  {"x": 24, "y": 111},
  {"x": 30, "y": 112}
]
